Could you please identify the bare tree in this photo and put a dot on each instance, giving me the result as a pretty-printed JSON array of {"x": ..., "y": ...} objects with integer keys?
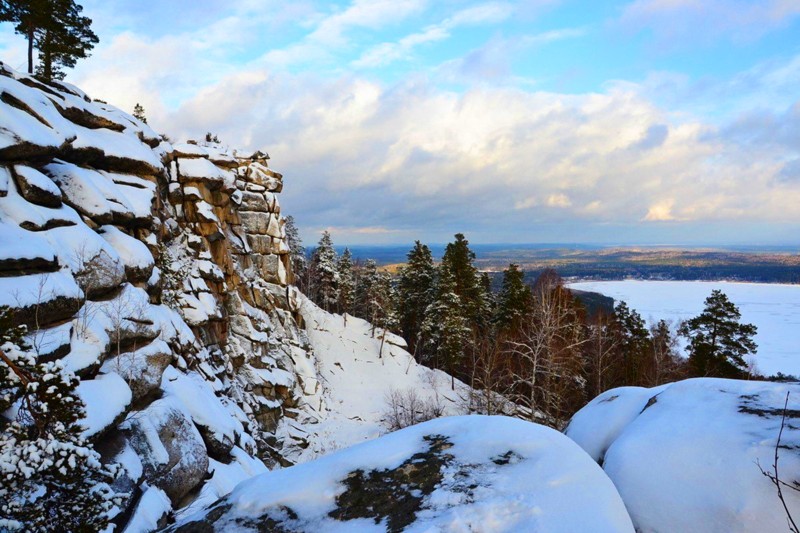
[
  {"x": 547, "y": 367},
  {"x": 490, "y": 378},
  {"x": 601, "y": 353},
  {"x": 774, "y": 475},
  {"x": 405, "y": 408}
]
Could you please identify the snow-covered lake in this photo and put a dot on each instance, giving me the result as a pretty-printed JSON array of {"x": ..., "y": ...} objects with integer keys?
[{"x": 774, "y": 308}]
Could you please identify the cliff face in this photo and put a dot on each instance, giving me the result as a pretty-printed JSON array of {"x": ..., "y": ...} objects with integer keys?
[{"x": 160, "y": 274}]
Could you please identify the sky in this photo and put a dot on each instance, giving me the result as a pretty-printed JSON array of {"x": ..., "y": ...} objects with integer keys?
[{"x": 593, "y": 121}]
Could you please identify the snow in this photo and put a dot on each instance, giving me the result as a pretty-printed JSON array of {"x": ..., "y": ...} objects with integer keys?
[
  {"x": 689, "y": 461},
  {"x": 134, "y": 253},
  {"x": 152, "y": 506},
  {"x": 548, "y": 485},
  {"x": 200, "y": 403},
  {"x": 89, "y": 190},
  {"x": 38, "y": 179},
  {"x": 18, "y": 126},
  {"x": 599, "y": 424},
  {"x": 17, "y": 243},
  {"x": 5, "y": 178},
  {"x": 186, "y": 149},
  {"x": 224, "y": 478},
  {"x": 773, "y": 308},
  {"x": 106, "y": 397},
  {"x": 203, "y": 169},
  {"x": 116, "y": 144},
  {"x": 27, "y": 291},
  {"x": 139, "y": 192},
  {"x": 356, "y": 380}
]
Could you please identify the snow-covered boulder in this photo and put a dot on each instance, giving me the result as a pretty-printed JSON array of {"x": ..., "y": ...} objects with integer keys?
[
  {"x": 469, "y": 473},
  {"x": 685, "y": 456},
  {"x": 170, "y": 448}
]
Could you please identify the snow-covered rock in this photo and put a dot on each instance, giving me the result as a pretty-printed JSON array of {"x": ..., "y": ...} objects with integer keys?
[
  {"x": 685, "y": 456},
  {"x": 470, "y": 473}
]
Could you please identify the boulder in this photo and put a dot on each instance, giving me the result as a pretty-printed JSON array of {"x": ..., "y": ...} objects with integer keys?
[
  {"x": 142, "y": 368},
  {"x": 688, "y": 456},
  {"x": 173, "y": 455},
  {"x": 472, "y": 473}
]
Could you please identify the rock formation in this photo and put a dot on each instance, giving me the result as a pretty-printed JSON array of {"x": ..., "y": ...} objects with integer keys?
[{"x": 160, "y": 274}]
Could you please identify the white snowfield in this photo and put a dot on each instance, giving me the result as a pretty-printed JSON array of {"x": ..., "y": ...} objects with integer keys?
[
  {"x": 355, "y": 376},
  {"x": 773, "y": 308},
  {"x": 685, "y": 456},
  {"x": 499, "y": 474}
]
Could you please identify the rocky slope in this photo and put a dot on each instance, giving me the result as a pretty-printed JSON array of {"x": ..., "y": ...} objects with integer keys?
[
  {"x": 686, "y": 456},
  {"x": 160, "y": 274}
]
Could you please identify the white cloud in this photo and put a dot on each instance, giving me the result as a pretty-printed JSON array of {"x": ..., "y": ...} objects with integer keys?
[
  {"x": 559, "y": 200},
  {"x": 660, "y": 211},
  {"x": 418, "y": 159}
]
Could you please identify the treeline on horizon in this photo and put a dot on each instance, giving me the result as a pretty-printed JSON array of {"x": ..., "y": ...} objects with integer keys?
[{"x": 531, "y": 350}]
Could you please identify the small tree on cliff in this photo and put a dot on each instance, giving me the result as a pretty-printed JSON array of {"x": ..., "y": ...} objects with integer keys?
[
  {"x": 138, "y": 113},
  {"x": 718, "y": 342},
  {"x": 50, "y": 478}
]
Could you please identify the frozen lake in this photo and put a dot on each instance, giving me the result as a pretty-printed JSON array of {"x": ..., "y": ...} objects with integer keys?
[{"x": 774, "y": 308}]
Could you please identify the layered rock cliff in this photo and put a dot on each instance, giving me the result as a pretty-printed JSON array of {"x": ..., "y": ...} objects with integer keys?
[{"x": 160, "y": 274}]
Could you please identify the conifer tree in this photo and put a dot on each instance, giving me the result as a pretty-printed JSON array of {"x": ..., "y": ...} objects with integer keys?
[
  {"x": 633, "y": 342},
  {"x": 55, "y": 28},
  {"x": 347, "y": 287},
  {"x": 459, "y": 259},
  {"x": 325, "y": 273},
  {"x": 415, "y": 292},
  {"x": 718, "y": 341},
  {"x": 50, "y": 478},
  {"x": 514, "y": 300},
  {"x": 296, "y": 249},
  {"x": 138, "y": 113},
  {"x": 446, "y": 330}
]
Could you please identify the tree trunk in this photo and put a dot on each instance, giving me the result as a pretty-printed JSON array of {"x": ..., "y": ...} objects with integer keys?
[{"x": 30, "y": 49}]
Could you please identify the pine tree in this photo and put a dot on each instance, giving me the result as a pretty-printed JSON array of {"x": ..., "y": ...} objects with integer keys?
[
  {"x": 514, "y": 300},
  {"x": 415, "y": 292},
  {"x": 446, "y": 330},
  {"x": 718, "y": 341},
  {"x": 326, "y": 275},
  {"x": 50, "y": 478},
  {"x": 55, "y": 28},
  {"x": 633, "y": 342},
  {"x": 459, "y": 259},
  {"x": 138, "y": 113},
  {"x": 347, "y": 287}
]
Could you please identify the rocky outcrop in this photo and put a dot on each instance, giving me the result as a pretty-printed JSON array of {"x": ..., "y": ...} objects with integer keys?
[{"x": 160, "y": 274}]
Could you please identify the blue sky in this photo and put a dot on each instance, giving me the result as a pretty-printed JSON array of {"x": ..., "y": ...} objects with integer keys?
[{"x": 630, "y": 121}]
